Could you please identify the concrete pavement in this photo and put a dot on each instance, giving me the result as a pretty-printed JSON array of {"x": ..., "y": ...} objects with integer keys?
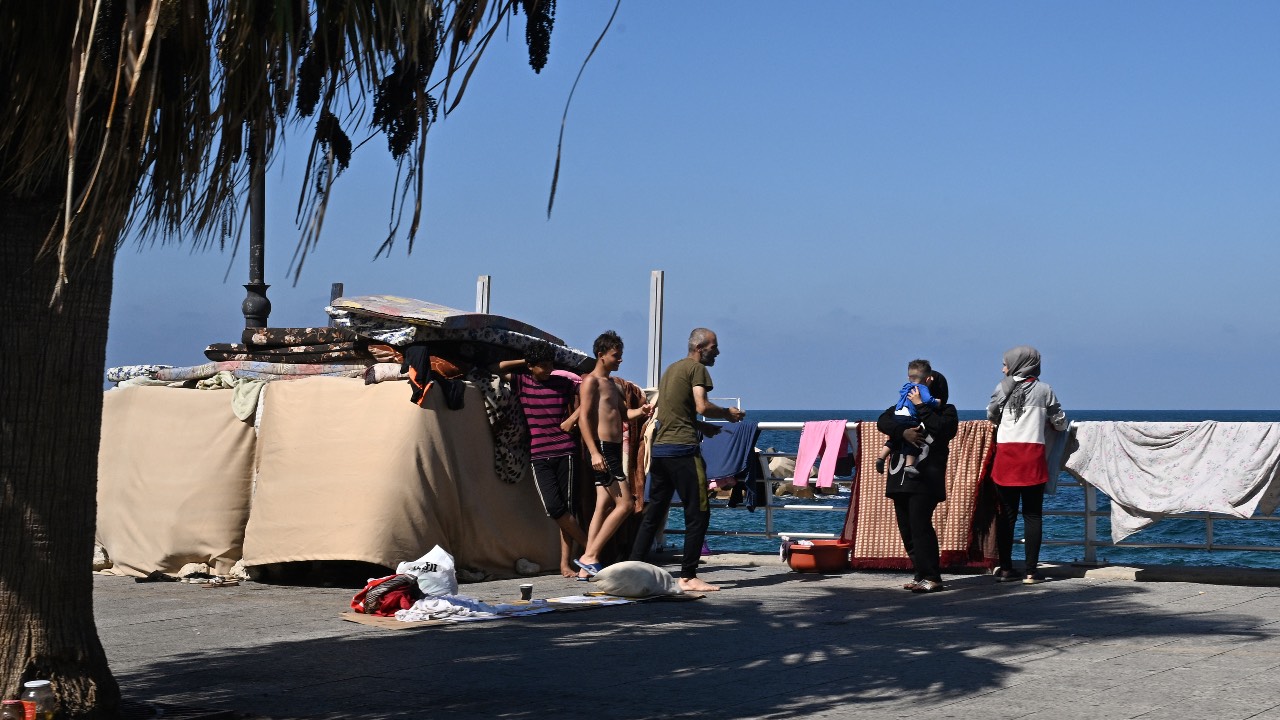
[{"x": 773, "y": 644}]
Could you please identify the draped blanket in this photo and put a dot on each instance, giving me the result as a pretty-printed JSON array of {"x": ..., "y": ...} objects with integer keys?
[
  {"x": 261, "y": 370},
  {"x": 870, "y": 522},
  {"x": 1150, "y": 470},
  {"x": 338, "y": 470}
]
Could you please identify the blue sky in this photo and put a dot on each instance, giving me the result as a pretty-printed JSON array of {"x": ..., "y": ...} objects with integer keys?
[{"x": 835, "y": 188}]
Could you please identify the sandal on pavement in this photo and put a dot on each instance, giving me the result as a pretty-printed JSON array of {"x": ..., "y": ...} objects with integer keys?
[{"x": 1002, "y": 574}]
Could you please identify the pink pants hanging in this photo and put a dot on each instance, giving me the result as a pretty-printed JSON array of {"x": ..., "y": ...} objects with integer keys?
[{"x": 825, "y": 437}]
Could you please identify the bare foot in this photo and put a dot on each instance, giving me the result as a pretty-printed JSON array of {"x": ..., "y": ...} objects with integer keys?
[
  {"x": 568, "y": 571},
  {"x": 696, "y": 585}
]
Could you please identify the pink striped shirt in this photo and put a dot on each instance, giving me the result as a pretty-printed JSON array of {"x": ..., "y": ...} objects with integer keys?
[{"x": 546, "y": 405}]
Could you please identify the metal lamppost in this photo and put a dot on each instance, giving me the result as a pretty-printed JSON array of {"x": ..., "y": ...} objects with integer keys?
[{"x": 256, "y": 307}]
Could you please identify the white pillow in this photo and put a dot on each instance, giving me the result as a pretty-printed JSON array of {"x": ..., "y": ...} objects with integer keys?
[{"x": 635, "y": 579}]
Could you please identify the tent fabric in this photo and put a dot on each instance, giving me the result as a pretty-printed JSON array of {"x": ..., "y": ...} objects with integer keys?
[
  {"x": 345, "y": 471},
  {"x": 174, "y": 473},
  {"x": 870, "y": 524},
  {"x": 348, "y": 471},
  {"x": 1150, "y": 470}
]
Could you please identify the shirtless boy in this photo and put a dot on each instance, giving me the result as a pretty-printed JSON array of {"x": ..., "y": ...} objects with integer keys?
[{"x": 603, "y": 413}]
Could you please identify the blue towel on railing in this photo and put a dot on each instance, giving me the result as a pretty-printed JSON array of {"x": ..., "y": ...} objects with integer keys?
[{"x": 728, "y": 452}]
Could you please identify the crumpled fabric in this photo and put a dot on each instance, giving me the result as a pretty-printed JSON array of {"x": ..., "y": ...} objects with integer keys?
[
  {"x": 244, "y": 397},
  {"x": 218, "y": 381},
  {"x": 507, "y": 423},
  {"x": 387, "y": 595},
  {"x": 383, "y": 372},
  {"x": 1150, "y": 470},
  {"x": 245, "y": 392},
  {"x": 440, "y": 607}
]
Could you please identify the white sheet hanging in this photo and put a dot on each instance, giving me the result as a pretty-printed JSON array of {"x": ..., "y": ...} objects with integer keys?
[{"x": 1150, "y": 470}]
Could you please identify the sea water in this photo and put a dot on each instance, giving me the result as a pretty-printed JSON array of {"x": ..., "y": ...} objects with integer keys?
[{"x": 1169, "y": 530}]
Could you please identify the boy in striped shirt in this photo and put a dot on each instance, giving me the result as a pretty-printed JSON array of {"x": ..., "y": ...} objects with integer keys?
[{"x": 549, "y": 399}]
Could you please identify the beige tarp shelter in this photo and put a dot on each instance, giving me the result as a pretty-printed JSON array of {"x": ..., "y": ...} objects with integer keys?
[{"x": 344, "y": 471}]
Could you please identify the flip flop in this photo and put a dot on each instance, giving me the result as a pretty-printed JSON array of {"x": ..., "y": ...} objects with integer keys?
[
  {"x": 579, "y": 578},
  {"x": 592, "y": 569}
]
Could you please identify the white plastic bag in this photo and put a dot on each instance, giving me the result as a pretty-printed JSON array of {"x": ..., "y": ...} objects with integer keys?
[{"x": 434, "y": 572}]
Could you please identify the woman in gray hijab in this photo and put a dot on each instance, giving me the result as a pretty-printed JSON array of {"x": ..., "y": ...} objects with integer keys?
[{"x": 1021, "y": 407}]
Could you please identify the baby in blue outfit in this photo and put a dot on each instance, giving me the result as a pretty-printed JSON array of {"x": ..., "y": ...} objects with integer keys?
[{"x": 905, "y": 415}]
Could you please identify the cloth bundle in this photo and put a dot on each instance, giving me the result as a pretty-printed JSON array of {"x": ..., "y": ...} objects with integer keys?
[
  {"x": 330, "y": 352},
  {"x": 386, "y": 595},
  {"x": 399, "y": 321},
  {"x": 268, "y": 354},
  {"x": 290, "y": 337},
  {"x": 262, "y": 370},
  {"x": 301, "y": 345}
]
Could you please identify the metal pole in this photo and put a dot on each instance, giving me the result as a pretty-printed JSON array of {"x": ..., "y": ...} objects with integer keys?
[
  {"x": 1090, "y": 524},
  {"x": 656, "y": 279},
  {"x": 256, "y": 307},
  {"x": 482, "y": 294},
  {"x": 335, "y": 292}
]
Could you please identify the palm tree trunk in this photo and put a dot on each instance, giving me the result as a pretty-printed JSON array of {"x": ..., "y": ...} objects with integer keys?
[{"x": 50, "y": 417}]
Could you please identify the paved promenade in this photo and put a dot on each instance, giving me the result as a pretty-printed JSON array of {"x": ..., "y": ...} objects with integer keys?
[{"x": 773, "y": 644}]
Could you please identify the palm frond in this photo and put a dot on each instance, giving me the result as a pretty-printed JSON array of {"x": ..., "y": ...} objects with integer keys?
[{"x": 142, "y": 114}]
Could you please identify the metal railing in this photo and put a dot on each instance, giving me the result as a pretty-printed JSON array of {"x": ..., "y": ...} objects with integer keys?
[
  {"x": 1091, "y": 542},
  {"x": 768, "y": 505}
]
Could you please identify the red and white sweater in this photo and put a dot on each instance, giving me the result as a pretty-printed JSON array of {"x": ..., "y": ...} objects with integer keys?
[{"x": 1020, "y": 458}]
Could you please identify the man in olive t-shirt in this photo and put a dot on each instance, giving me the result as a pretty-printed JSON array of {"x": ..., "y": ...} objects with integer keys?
[{"x": 676, "y": 465}]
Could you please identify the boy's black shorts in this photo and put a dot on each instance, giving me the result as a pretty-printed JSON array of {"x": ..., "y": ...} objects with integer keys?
[{"x": 612, "y": 452}]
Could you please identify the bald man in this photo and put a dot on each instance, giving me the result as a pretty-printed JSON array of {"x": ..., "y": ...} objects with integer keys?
[{"x": 676, "y": 464}]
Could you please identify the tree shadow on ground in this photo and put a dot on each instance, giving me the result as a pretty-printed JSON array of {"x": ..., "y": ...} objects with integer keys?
[{"x": 817, "y": 648}]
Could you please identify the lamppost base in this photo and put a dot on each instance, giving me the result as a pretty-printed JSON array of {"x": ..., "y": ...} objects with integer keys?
[{"x": 256, "y": 307}]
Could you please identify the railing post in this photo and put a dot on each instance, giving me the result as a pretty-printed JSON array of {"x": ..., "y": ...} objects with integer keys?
[
  {"x": 1090, "y": 524},
  {"x": 335, "y": 292},
  {"x": 1208, "y": 533},
  {"x": 482, "y": 294},
  {"x": 768, "y": 497},
  {"x": 656, "y": 279}
]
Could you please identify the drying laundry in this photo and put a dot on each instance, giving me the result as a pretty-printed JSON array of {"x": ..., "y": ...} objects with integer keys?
[
  {"x": 727, "y": 453},
  {"x": 828, "y": 439},
  {"x": 1150, "y": 470}
]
